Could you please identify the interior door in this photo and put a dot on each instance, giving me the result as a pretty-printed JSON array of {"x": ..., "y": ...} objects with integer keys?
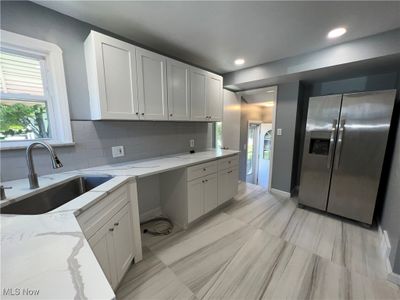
[
  {"x": 363, "y": 131},
  {"x": 198, "y": 79},
  {"x": 178, "y": 78},
  {"x": 252, "y": 153},
  {"x": 116, "y": 66},
  {"x": 319, "y": 146},
  {"x": 264, "y": 153},
  {"x": 152, "y": 85}
]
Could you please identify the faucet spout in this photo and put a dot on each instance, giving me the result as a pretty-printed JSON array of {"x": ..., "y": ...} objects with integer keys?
[{"x": 32, "y": 176}]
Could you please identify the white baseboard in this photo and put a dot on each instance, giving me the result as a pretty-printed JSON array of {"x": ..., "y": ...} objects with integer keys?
[
  {"x": 152, "y": 213},
  {"x": 280, "y": 193},
  {"x": 385, "y": 250}
]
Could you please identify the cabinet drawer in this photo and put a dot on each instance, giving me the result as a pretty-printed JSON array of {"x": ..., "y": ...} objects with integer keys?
[
  {"x": 228, "y": 162},
  {"x": 201, "y": 170},
  {"x": 96, "y": 216}
]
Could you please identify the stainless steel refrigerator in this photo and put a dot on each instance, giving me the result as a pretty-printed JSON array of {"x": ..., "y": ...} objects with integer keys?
[{"x": 344, "y": 149}]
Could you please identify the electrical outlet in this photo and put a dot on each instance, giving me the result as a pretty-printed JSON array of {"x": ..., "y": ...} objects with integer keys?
[
  {"x": 191, "y": 143},
  {"x": 118, "y": 151},
  {"x": 279, "y": 131}
]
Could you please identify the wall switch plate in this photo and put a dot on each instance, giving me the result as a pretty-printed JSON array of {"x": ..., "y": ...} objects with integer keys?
[
  {"x": 191, "y": 143},
  {"x": 118, "y": 151},
  {"x": 279, "y": 131}
]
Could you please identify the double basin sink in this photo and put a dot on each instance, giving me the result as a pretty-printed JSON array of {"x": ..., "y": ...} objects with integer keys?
[{"x": 55, "y": 196}]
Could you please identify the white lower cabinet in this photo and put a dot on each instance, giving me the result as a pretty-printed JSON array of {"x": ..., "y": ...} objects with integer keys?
[
  {"x": 195, "y": 199},
  {"x": 210, "y": 192},
  {"x": 188, "y": 194},
  {"x": 202, "y": 196},
  {"x": 227, "y": 184},
  {"x": 112, "y": 232},
  {"x": 113, "y": 246}
]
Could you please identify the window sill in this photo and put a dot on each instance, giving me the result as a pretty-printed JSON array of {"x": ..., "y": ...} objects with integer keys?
[{"x": 55, "y": 145}]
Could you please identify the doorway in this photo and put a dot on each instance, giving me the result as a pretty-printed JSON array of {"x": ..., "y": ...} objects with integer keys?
[{"x": 259, "y": 153}]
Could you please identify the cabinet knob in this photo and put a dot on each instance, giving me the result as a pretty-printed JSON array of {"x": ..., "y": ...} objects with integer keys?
[
  {"x": 137, "y": 113},
  {"x": 170, "y": 115},
  {"x": 142, "y": 114},
  {"x": 116, "y": 224},
  {"x": 111, "y": 229},
  {"x": 204, "y": 169}
]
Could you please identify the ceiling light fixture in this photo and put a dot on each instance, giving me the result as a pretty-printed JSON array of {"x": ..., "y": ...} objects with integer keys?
[
  {"x": 239, "y": 61},
  {"x": 335, "y": 33}
]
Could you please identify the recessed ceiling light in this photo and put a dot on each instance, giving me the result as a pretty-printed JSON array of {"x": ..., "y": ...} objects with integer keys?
[
  {"x": 334, "y": 33},
  {"x": 239, "y": 61}
]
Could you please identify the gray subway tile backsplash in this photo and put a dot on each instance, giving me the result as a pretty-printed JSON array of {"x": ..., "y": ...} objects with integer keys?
[{"x": 94, "y": 139}]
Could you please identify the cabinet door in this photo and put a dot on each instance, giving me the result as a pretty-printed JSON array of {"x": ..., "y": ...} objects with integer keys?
[
  {"x": 152, "y": 85},
  {"x": 234, "y": 182},
  {"x": 178, "y": 78},
  {"x": 198, "y": 79},
  {"x": 195, "y": 199},
  {"x": 224, "y": 186},
  {"x": 115, "y": 62},
  {"x": 102, "y": 245},
  {"x": 123, "y": 240},
  {"x": 210, "y": 192},
  {"x": 214, "y": 97}
]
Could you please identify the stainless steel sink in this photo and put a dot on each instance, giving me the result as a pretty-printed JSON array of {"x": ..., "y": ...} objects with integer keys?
[{"x": 54, "y": 197}]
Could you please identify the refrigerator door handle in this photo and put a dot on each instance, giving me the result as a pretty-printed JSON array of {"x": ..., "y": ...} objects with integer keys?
[
  {"x": 331, "y": 142},
  {"x": 340, "y": 142}
]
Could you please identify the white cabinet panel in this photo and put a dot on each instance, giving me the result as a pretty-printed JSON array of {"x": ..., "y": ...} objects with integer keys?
[
  {"x": 178, "y": 79},
  {"x": 111, "y": 71},
  {"x": 198, "y": 79},
  {"x": 210, "y": 192},
  {"x": 152, "y": 85},
  {"x": 123, "y": 241},
  {"x": 214, "y": 97},
  {"x": 195, "y": 199},
  {"x": 227, "y": 184},
  {"x": 103, "y": 248}
]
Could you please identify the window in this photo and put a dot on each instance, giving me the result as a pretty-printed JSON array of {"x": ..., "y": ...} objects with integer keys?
[
  {"x": 218, "y": 135},
  {"x": 33, "y": 102}
]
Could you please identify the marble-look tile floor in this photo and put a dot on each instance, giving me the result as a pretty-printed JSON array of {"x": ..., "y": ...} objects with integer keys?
[{"x": 262, "y": 246}]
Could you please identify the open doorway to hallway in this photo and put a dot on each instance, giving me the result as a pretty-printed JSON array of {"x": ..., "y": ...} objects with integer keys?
[{"x": 259, "y": 148}]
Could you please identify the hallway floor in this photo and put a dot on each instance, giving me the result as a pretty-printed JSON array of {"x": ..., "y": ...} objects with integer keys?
[{"x": 261, "y": 246}]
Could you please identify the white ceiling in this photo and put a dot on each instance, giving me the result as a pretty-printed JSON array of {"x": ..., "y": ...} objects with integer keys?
[{"x": 213, "y": 34}]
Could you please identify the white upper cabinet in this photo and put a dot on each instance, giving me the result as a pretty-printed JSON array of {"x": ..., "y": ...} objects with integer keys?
[
  {"x": 198, "y": 79},
  {"x": 152, "y": 85},
  {"x": 178, "y": 79},
  {"x": 130, "y": 83},
  {"x": 214, "y": 97},
  {"x": 206, "y": 96},
  {"x": 111, "y": 69}
]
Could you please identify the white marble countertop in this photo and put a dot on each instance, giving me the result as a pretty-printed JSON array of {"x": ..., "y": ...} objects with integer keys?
[{"x": 48, "y": 253}]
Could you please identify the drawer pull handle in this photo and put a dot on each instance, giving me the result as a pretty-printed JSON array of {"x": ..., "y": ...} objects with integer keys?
[
  {"x": 229, "y": 172},
  {"x": 116, "y": 224},
  {"x": 111, "y": 229}
]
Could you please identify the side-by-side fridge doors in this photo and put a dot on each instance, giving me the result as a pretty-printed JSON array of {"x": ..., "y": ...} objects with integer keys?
[
  {"x": 361, "y": 144},
  {"x": 319, "y": 148}
]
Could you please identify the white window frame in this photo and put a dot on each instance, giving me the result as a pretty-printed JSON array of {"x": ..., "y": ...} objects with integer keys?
[{"x": 53, "y": 82}]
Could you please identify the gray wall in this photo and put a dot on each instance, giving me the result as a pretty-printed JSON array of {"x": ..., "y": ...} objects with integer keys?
[{"x": 284, "y": 145}]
